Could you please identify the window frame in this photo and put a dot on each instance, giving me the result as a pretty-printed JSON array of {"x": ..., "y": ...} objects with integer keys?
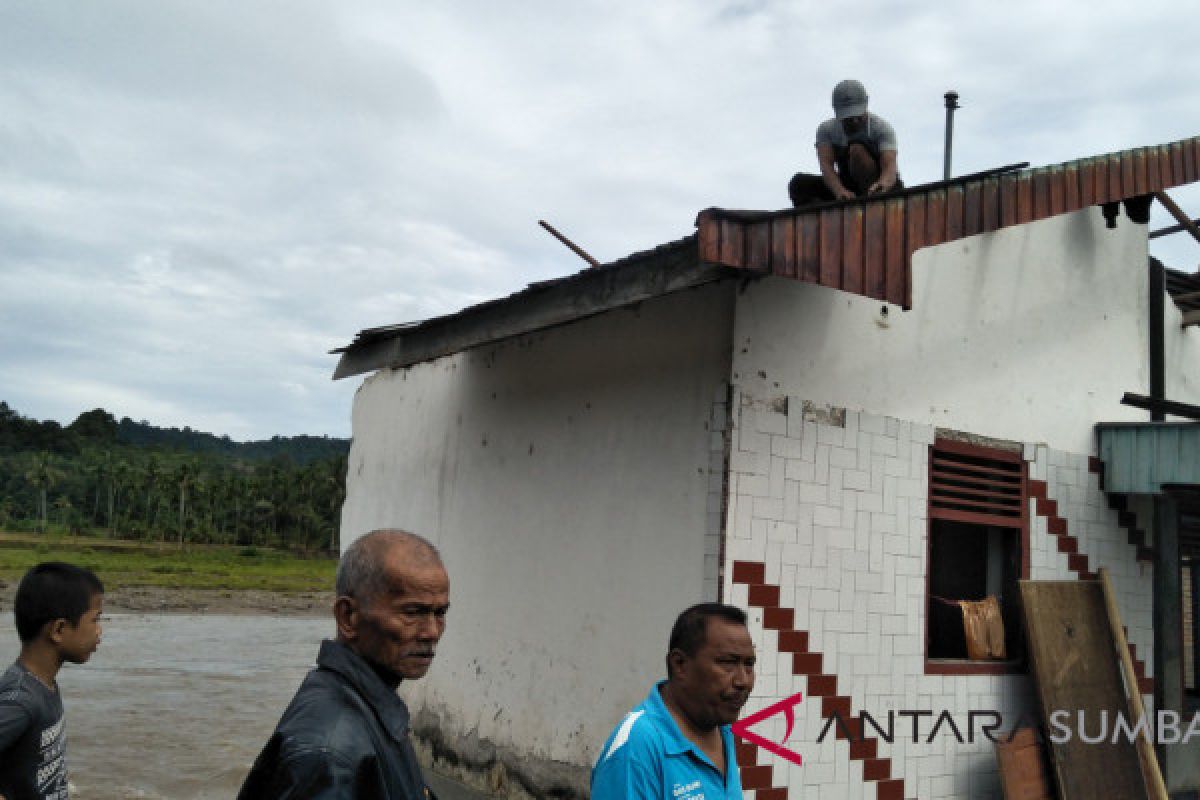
[{"x": 966, "y": 666}]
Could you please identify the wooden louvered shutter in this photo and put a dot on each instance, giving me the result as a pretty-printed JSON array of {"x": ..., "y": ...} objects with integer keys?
[{"x": 978, "y": 485}]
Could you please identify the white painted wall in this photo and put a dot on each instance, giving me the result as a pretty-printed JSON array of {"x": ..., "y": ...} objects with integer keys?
[
  {"x": 1030, "y": 333},
  {"x": 566, "y": 477},
  {"x": 1181, "y": 353}
]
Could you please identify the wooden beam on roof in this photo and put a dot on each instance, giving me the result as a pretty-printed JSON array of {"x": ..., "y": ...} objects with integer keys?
[
  {"x": 1172, "y": 407},
  {"x": 1177, "y": 212},
  {"x": 1191, "y": 318},
  {"x": 1170, "y": 229},
  {"x": 586, "y": 294}
]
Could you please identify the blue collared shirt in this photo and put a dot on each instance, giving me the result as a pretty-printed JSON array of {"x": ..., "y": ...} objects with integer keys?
[{"x": 648, "y": 758}]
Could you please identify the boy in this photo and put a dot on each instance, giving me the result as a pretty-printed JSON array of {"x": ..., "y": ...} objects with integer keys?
[{"x": 57, "y": 609}]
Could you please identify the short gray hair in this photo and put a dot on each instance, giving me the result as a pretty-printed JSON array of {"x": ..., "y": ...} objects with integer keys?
[{"x": 360, "y": 573}]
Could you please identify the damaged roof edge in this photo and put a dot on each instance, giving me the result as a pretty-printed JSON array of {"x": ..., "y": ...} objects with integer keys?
[{"x": 544, "y": 305}]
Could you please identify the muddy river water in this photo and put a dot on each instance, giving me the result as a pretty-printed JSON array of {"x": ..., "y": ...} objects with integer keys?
[{"x": 177, "y": 706}]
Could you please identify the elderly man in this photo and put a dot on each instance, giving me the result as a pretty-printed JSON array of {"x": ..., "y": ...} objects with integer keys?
[
  {"x": 345, "y": 733},
  {"x": 677, "y": 744},
  {"x": 856, "y": 150}
]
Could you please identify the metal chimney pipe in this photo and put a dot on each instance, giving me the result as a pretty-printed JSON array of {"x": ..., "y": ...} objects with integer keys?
[{"x": 951, "y": 104}]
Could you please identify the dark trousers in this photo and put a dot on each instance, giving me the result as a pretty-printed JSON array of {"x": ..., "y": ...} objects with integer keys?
[{"x": 858, "y": 168}]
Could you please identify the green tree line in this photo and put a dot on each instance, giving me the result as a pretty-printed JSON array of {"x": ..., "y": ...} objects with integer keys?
[{"x": 131, "y": 480}]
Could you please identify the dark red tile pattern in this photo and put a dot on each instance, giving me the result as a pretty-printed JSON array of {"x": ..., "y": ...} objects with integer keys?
[
  {"x": 866, "y": 246},
  {"x": 1128, "y": 520},
  {"x": 820, "y": 685},
  {"x": 1077, "y": 562}
]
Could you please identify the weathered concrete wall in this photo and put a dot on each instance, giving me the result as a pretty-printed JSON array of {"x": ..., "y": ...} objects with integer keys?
[
  {"x": 572, "y": 481},
  {"x": 834, "y": 506},
  {"x": 1030, "y": 333}
]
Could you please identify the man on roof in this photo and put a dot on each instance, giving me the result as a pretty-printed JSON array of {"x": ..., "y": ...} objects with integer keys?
[{"x": 856, "y": 150}]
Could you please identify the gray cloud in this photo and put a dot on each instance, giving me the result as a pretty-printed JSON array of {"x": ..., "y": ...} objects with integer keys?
[{"x": 197, "y": 201}]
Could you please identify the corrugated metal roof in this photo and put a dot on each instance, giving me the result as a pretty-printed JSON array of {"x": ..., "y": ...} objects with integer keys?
[
  {"x": 1143, "y": 457},
  {"x": 669, "y": 268},
  {"x": 865, "y": 246},
  {"x": 1185, "y": 291}
]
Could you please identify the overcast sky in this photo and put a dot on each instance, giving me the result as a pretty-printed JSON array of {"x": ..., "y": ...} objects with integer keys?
[{"x": 199, "y": 200}]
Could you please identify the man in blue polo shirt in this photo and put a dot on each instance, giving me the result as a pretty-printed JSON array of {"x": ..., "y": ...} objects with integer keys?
[{"x": 677, "y": 744}]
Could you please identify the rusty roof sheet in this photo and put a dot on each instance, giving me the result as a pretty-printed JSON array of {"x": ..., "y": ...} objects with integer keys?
[{"x": 865, "y": 246}]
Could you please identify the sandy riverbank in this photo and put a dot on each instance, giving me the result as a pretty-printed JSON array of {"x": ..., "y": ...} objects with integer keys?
[{"x": 203, "y": 601}]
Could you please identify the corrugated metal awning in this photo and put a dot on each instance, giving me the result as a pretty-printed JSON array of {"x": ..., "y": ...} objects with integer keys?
[
  {"x": 1143, "y": 457},
  {"x": 865, "y": 246}
]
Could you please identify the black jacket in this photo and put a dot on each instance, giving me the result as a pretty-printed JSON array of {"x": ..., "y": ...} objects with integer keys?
[{"x": 343, "y": 737}]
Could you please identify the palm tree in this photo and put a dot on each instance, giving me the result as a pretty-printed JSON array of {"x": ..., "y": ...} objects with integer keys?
[
  {"x": 43, "y": 474},
  {"x": 119, "y": 477},
  {"x": 185, "y": 475}
]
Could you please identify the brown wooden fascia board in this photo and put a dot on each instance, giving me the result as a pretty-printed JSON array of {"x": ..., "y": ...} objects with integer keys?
[{"x": 845, "y": 249}]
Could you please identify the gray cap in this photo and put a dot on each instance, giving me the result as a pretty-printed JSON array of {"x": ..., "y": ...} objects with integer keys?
[{"x": 849, "y": 99}]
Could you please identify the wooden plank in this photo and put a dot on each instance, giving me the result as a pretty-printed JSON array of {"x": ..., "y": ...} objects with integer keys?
[
  {"x": 1128, "y": 180},
  {"x": 1070, "y": 194},
  {"x": 1058, "y": 192},
  {"x": 1167, "y": 167},
  {"x": 1153, "y": 180},
  {"x": 852, "y": 248},
  {"x": 1041, "y": 193},
  {"x": 1155, "y": 786},
  {"x": 1101, "y": 175},
  {"x": 975, "y": 517},
  {"x": 896, "y": 259},
  {"x": 874, "y": 247},
  {"x": 809, "y": 247},
  {"x": 1075, "y": 669},
  {"x": 989, "y": 202},
  {"x": 1179, "y": 168},
  {"x": 915, "y": 208},
  {"x": 758, "y": 245},
  {"x": 1024, "y": 199},
  {"x": 1009, "y": 190},
  {"x": 1189, "y": 162},
  {"x": 1087, "y": 183},
  {"x": 783, "y": 247},
  {"x": 709, "y": 240},
  {"x": 935, "y": 217},
  {"x": 1141, "y": 183},
  {"x": 972, "y": 211},
  {"x": 1115, "y": 165},
  {"x": 831, "y": 248},
  {"x": 733, "y": 253},
  {"x": 1177, "y": 212},
  {"x": 1024, "y": 773},
  {"x": 954, "y": 213}
]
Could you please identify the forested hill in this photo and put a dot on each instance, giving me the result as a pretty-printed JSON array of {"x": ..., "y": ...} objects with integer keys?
[
  {"x": 101, "y": 476},
  {"x": 99, "y": 427}
]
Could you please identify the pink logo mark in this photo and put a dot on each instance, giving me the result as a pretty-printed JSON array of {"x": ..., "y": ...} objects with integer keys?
[{"x": 742, "y": 728}]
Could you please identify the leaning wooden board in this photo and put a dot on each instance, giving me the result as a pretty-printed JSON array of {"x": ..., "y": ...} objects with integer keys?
[{"x": 1075, "y": 667}]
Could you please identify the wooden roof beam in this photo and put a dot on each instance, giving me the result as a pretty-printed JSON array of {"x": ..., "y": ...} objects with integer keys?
[{"x": 1177, "y": 212}]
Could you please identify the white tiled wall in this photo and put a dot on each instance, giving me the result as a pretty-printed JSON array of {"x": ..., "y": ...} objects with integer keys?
[{"x": 835, "y": 504}]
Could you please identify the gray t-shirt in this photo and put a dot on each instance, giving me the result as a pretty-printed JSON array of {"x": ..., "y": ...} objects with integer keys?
[
  {"x": 33, "y": 741},
  {"x": 879, "y": 132}
]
